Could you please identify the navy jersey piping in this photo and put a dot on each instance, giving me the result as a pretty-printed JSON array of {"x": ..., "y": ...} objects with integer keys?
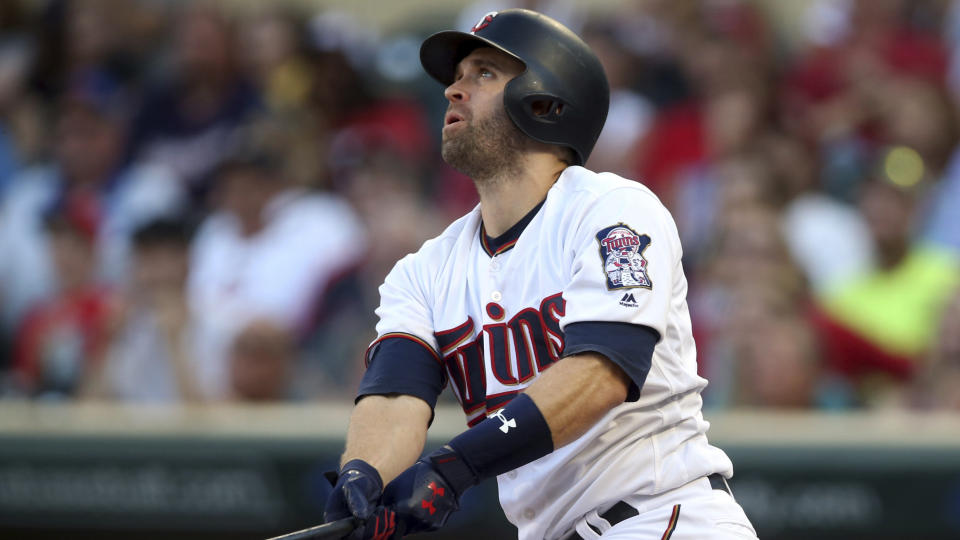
[{"x": 506, "y": 241}]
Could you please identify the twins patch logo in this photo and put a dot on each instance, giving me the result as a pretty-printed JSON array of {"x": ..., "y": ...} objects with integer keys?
[
  {"x": 483, "y": 22},
  {"x": 621, "y": 250}
]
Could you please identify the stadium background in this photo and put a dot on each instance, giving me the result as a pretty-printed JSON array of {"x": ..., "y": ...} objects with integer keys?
[{"x": 199, "y": 199}]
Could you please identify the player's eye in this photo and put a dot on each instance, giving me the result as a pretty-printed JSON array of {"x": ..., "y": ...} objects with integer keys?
[{"x": 486, "y": 74}]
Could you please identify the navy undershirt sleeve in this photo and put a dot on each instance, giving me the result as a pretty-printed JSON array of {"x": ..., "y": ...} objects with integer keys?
[
  {"x": 629, "y": 346},
  {"x": 402, "y": 366}
]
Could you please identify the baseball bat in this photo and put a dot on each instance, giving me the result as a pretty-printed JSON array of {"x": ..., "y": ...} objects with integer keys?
[{"x": 335, "y": 530}]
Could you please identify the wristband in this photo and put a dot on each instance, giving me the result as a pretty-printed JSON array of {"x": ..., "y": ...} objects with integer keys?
[{"x": 511, "y": 438}]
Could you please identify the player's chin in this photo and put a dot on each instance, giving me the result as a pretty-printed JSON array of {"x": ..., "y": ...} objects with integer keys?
[
  {"x": 452, "y": 137},
  {"x": 454, "y": 127}
]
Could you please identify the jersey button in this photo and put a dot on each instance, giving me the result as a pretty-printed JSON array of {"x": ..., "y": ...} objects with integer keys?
[
  {"x": 529, "y": 514},
  {"x": 494, "y": 266},
  {"x": 512, "y": 475},
  {"x": 496, "y": 296}
]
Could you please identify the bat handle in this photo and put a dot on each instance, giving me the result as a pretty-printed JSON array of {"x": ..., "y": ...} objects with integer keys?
[{"x": 335, "y": 530}]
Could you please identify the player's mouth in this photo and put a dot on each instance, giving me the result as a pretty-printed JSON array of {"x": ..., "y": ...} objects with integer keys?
[{"x": 452, "y": 118}]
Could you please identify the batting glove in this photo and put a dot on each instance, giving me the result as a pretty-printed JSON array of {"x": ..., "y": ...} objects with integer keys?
[
  {"x": 356, "y": 492},
  {"x": 382, "y": 525},
  {"x": 425, "y": 495}
]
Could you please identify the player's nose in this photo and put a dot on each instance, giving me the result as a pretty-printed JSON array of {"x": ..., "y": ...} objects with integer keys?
[{"x": 455, "y": 92}]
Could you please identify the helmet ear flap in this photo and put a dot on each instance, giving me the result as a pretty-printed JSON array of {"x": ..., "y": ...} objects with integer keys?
[{"x": 541, "y": 116}]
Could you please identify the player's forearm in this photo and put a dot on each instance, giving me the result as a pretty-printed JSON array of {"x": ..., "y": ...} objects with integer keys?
[
  {"x": 559, "y": 407},
  {"x": 388, "y": 432},
  {"x": 576, "y": 392}
]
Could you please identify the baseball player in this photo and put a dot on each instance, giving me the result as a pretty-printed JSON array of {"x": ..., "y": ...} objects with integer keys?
[{"x": 556, "y": 310}]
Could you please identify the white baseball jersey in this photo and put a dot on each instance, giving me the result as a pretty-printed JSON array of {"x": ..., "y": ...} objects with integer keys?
[{"x": 600, "y": 249}]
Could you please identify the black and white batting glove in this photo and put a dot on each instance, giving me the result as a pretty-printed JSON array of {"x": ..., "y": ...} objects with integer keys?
[{"x": 356, "y": 493}]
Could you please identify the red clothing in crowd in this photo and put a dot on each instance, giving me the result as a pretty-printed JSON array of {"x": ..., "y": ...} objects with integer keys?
[{"x": 60, "y": 339}]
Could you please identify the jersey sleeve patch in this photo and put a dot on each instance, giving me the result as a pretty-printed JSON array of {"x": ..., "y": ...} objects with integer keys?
[{"x": 621, "y": 254}]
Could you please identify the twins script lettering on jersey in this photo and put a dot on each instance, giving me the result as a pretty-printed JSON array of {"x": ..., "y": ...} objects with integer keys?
[{"x": 516, "y": 351}]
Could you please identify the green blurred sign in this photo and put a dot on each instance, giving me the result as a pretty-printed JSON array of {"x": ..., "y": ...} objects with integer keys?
[
  {"x": 250, "y": 473},
  {"x": 252, "y": 488}
]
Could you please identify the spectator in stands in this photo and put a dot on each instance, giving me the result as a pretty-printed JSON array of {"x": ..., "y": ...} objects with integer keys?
[
  {"x": 151, "y": 355},
  {"x": 764, "y": 170},
  {"x": 779, "y": 363},
  {"x": 186, "y": 119},
  {"x": 274, "y": 59},
  {"x": 61, "y": 340},
  {"x": 828, "y": 239},
  {"x": 397, "y": 217},
  {"x": 262, "y": 360},
  {"x": 270, "y": 250},
  {"x": 704, "y": 198},
  {"x": 938, "y": 384},
  {"x": 18, "y": 113},
  {"x": 87, "y": 182},
  {"x": 748, "y": 280},
  {"x": 78, "y": 40},
  {"x": 919, "y": 116},
  {"x": 726, "y": 122},
  {"x": 630, "y": 113},
  {"x": 836, "y": 94},
  {"x": 881, "y": 323},
  {"x": 946, "y": 349},
  {"x": 719, "y": 48},
  {"x": 940, "y": 226}
]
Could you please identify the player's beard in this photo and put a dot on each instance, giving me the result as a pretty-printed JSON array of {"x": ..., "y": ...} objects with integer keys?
[{"x": 487, "y": 150}]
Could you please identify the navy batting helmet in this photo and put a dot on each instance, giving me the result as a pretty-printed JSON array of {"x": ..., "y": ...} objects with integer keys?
[{"x": 561, "y": 73}]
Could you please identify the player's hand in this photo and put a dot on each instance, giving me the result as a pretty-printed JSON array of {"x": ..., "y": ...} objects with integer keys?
[
  {"x": 422, "y": 499},
  {"x": 356, "y": 492},
  {"x": 382, "y": 525}
]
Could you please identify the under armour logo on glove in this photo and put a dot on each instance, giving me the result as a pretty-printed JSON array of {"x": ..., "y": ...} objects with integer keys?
[
  {"x": 437, "y": 491},
  {"x": 507, "y": 424},
  {"x": 421, "y": 498}
]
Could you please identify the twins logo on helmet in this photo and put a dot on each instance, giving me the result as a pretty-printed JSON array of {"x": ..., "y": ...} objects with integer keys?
[{"x": 483, "y": 22}]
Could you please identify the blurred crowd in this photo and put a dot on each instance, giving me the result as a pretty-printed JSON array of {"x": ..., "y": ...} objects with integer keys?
[{"x": 198, "y": 201}]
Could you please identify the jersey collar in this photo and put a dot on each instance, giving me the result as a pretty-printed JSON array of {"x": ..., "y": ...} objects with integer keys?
[{"x": 506, "y": 241}]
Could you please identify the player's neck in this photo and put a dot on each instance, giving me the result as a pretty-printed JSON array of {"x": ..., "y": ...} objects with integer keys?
[{"x": 504, "y": 201}]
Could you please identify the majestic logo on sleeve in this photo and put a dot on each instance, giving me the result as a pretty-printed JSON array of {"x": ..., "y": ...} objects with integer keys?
[
  {"x": 482, "y": 23},
  {"x": 621, "y": 250}
]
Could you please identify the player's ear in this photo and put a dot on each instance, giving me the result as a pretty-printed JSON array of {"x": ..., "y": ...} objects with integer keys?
[{"x": 545, "y": 108}]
